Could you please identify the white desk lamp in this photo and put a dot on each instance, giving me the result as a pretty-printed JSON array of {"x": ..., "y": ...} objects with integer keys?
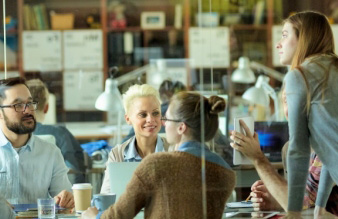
[
  {"x": 111, "y": 100},
  {"x": 243, "y": 74},
  {"x": 259, "y": 94}
]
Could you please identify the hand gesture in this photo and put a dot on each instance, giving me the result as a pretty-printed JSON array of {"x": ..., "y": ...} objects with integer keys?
[
  {"x": 247, "y": 144},
  {"x": 65, "y": 199}
]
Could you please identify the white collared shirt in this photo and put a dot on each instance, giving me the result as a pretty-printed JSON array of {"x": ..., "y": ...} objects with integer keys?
[{"x": 36, "y": 171}]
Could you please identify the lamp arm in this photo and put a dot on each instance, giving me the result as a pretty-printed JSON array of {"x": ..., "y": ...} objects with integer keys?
[
  {"x": 272, "y": 93},
  {"x": 131, "y": 75},
  {"x": 269, "y": 71}
]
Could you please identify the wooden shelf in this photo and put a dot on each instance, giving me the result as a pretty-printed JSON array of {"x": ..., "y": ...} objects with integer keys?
[
  {"x": 243, "y": 27},
  {"x": 139, "y": 29},
  {"x": 248, "y": 27},
  {"x": 67, "y": 30},
  {"x": 10, "y": 33}
]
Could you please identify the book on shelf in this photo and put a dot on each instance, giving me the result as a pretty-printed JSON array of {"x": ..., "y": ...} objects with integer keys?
[
  {"x": 121, "y": 52},
  {"x": 35, "y": 17}
]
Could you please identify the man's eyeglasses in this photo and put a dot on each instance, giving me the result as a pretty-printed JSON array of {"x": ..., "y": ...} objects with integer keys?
[
  {"x": 21, "y": 107},
  {"x": 170, "y": 120}
]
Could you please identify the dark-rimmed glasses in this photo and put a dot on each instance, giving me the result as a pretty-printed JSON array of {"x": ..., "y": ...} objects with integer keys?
[
  {"x": 21, "y": 107},
  {"x": 163, "y": 118}
]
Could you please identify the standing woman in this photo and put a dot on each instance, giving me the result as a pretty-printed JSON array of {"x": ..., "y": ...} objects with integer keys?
[
  {"x": 170, "y": 185},
  {"x": 143, "y": 112},
  {"x": 311, "y": 87}
]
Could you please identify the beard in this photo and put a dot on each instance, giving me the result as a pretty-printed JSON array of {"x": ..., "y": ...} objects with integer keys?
[{"x": 20, "y": 128}]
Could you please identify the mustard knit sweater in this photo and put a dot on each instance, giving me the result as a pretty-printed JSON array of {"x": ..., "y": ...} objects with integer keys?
[{"x": 169, "y": 185}]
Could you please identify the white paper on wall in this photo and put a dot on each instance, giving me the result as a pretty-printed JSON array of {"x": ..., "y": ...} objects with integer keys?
[
  {"x": 209, "y": 47},
  {"x": 81, "y": 89},
  {"x": 41, "y": 50},
  {"x": 276, "y": 36},
  {"x": 335, "y": 36},
  {"x": 82, "y": 49}
]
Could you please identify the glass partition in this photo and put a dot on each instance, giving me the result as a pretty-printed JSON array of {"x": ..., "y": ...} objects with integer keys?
[{"x": 82, "y": 48}]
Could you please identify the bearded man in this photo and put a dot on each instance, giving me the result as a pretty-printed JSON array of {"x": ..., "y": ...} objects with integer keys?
[{"x": 30, "y": 168}]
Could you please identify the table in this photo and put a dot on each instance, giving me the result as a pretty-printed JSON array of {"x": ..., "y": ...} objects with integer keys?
[
  {"x": 306, "y": 214},
  {"x": 91, "y": 131}
]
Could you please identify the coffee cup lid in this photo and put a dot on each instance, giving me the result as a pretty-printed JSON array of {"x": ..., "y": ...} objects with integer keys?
[{"x": 82, "y": 186}]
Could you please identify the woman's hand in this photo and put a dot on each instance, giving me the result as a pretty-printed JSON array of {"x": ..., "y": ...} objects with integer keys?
[
  {"x": 246, "y": 144},
  {"x": 90, "y": 213}
]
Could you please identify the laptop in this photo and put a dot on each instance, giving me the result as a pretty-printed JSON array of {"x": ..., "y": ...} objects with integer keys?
[
  {"x": 120, "y": 173},
  {"x": 272, "y": 137}
]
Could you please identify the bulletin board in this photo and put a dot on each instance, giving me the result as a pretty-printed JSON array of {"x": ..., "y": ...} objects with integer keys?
[
  {"x": 82, "y": 49},
  {"x": 41, "y": 50},
  {"x": 209, "y": 47},
  {"x": 81, "y": 89}
]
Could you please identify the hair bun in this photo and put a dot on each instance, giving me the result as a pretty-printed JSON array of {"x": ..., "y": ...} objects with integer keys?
[{"x": 217, "y": 104}]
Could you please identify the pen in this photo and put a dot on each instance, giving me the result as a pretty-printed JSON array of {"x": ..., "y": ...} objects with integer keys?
[{"x": 248, "y": 198}]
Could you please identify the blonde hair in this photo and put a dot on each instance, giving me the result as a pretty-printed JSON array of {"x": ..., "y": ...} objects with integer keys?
[
  {"x": 315, "y": 37},
  {"x": 137, "y": 91},
  {"x": 39, "y": 92}
]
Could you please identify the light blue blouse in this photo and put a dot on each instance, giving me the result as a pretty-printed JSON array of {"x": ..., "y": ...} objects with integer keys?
[
  {"x": 196, "y": 148},
  {"x": 131, "y": 154}
]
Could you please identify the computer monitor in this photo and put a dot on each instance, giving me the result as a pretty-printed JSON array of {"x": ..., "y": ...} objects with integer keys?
[{"x": 272, "y": 137}]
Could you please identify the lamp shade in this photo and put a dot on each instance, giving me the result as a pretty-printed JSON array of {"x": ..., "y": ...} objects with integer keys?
[
  {"x": 243, "y": 74},
  {"x": 111, "y": 99},
  {"x": 257, "y": 94}
]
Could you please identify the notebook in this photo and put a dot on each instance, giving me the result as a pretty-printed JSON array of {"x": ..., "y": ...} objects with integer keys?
[
  {"x": 120, "y": 173},
  {"x": 27, "y": 207}
]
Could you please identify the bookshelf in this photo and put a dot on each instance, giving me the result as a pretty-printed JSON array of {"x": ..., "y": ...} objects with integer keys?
[
  {"x": 169, "y": 42},
  {"x": 34, "y": 20}
]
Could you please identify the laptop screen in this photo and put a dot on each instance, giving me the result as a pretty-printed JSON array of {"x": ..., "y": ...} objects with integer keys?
[
  {"x": 120, "y": 173},
  {"x": 272, "y": 137}
]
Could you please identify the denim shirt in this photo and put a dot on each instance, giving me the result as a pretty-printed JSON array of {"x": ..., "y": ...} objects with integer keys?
[
  {"x": 130, "y": 152},
  {"x": 195, "y": 148}
]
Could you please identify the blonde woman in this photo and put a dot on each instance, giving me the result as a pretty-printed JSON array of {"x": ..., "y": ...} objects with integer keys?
[{"x": 143, "y": 112}]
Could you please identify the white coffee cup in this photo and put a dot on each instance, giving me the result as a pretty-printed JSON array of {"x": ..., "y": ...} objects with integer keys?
[{"x": 82, "y": 196}]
